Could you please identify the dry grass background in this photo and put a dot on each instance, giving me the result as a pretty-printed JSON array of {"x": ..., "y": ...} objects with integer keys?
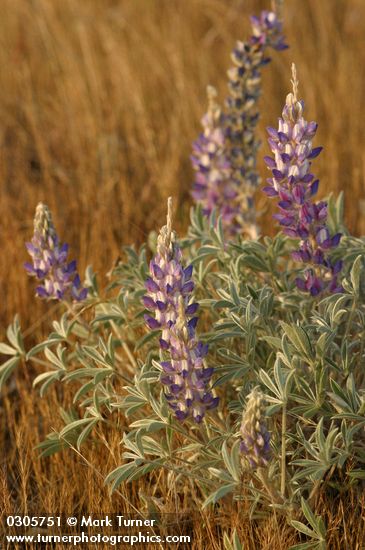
[{"x": 99, "y": 103}]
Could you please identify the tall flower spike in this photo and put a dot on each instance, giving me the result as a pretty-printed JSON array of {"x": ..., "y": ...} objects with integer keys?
[
  {"x": 224, "y": 156},
  {"x": 59, "y": 279},
  {"x": 213, "y": 187},
  {"x": 255, "y": 442},
  {"x": 167, "y": 282},
  {"x": 294, "y": 184},
  {"x": 169, "y": 290},
  {"x": 244, "y": 83}
]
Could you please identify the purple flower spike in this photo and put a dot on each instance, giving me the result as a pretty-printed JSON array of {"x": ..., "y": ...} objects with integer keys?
[
  {"x": 213, "y": 187},
  {"x": 224, "y": 155},
  {"x": 293, "y": 181},
  {"x": 60, "y": 278},
  {"x": 255, "y": 444},
  {"x": 169, "y": 287}
]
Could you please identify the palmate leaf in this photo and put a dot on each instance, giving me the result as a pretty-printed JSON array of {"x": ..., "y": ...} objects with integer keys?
[
  {"x": 274, "y": 341},
  {"x": 311, "y": 468},
  {"x": 74, "y": 433},
  {"x": 315, "y": 522},
  {"x": 59, "y": 360},
  {"x": 130, "y": 472},
  {"x": 317, "y": 532},
  {"x": 299, "y": 526},
  {"x": 47, "y": 378},
  {"x": 64, "y": 328},
  {"x": 300, "y": 340},
  {"x": 52, "y": 339}
]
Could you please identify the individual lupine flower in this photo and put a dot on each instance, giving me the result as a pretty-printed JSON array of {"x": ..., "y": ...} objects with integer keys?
[
  {"x": 268, "y": 29},
  {"x": 242, "y": 114},
  {"x": 60, "y": 280},
  {"x": 172, "y": 310},
  {"x": 213, "y": 187},
  {"x": 255, "y": 442},
  {"x": 295, "y": 185}
]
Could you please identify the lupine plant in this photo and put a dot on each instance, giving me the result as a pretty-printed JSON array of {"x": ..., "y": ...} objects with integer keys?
[{"x": 267, "y": 407}]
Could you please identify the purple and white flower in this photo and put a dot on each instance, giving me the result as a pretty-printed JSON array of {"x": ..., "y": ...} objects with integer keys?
[
  {"x": 58, "y": 278},
  {"x": 169, "y": 299},
  {"x": 255, "y": 443},
  {"x": 294, "y": 184},
  {"x": 224, "y": 155}
]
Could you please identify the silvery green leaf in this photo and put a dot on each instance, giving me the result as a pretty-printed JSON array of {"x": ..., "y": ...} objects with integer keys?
[
  {"x": 86, "y": 432},
  {"x": 14, "y": 336},
  {"x": 150, "y": 425},
  {"x": 100, "y": 359},
  {"x": 283, "y": 380},
  {"x": 267, "y": 381},
  {"x": 74, "y": 426},
  {"x": 116, "y": 476},
  {"x": 85, "y": 388},
  {"x": 46, "y": 378},
  {"x": 51, "y": 445},
  {"x": 103, "y": 317},
  {"x": 300, "y": 339},
  {"x": 64, "y": 327},
  {"x": 274, "y": 341},
  {"x": 55, "y": 339},
  {"x": 231, "y": 459},
  {"x": 219, "y": 493},
  {"x": 315, "y": 522},
  {"x": 220, "y": 474},
  {"x": 58, "y": 361},
  {"x": 299, "y": 526},
  {"x": 7, "y": 368},
  {"x": 143, "y": 470},
  {"x": 151, "y": 446},
  {"x": 7, "y": 350},
  {"x": 90, "y": 280},
  {"x": 355, "y": 274}
]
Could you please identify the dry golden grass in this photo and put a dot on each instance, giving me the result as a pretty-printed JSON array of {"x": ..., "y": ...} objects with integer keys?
[{"x": 99, "y": 103}]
